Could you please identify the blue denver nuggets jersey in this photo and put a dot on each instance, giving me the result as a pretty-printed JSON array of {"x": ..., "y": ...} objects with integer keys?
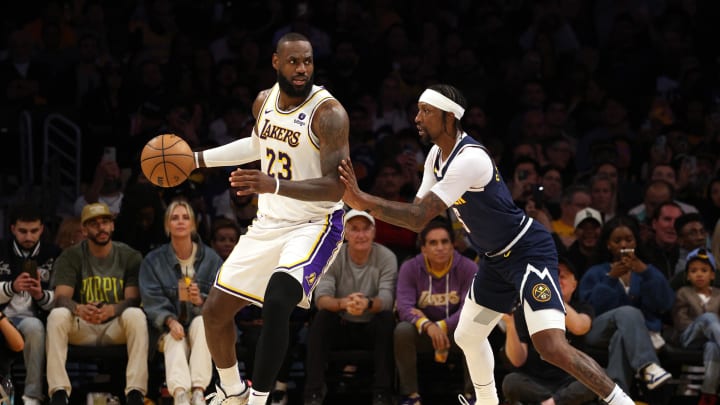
[{"x": 489, "y": 214}]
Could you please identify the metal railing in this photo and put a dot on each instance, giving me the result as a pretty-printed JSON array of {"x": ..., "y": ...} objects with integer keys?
[{"x": 62, "y": 160}]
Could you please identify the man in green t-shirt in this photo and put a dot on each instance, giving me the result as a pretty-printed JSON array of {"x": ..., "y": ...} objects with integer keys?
[{"x": 97, "y": 303}]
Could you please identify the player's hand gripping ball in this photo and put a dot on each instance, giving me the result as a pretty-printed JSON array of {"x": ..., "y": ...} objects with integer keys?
[{"x": 167, "y": 160}]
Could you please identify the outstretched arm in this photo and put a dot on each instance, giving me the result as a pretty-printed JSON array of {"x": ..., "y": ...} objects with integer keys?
[{"x": 413, "y": 216}]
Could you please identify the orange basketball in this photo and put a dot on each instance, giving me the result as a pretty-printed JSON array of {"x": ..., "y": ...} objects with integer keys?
[{"x": 167, "y": 160}]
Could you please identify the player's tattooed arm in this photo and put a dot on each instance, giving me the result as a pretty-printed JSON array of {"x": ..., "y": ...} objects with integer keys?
[
  {"x": 411, "y": 216},
  {"x": 331, "y": 125}
]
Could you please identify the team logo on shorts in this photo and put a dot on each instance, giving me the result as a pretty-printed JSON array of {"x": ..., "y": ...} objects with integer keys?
[
  {"x": 311, "y": 279},
  {"x": 541, "y": 293}
]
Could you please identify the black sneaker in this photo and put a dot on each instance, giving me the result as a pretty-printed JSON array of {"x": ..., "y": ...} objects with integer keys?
[
  {"x": 135, "y": 397},
  {"x": 59, "y": 397}
]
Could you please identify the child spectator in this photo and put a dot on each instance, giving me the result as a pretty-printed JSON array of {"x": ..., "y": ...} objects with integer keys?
[{"x": 695, "y": 318}]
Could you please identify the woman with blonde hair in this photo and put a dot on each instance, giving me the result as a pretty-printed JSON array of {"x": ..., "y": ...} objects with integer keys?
[{"x": 175, "y": 279}]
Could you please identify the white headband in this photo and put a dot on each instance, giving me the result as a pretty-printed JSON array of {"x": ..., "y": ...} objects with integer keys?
[{"x": 436, "y": 99}]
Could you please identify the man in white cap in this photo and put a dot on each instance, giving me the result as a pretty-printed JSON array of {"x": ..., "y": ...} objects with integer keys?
[
  {"x": 355, "y": 302},
  {"x": 583, "y": 253},
  {"x": 520, "y": 267}
]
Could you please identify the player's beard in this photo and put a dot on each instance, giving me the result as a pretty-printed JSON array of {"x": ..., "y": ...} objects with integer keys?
[{"x": 288, "y": 88}]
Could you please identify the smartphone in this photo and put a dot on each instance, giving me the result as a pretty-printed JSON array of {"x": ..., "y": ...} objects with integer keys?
[
  {"x": 627, "y": 252},
  {"x": 538, "y": 196},
  {"x": 109, "y": 154},
  {"x": 30, "y": 267}
]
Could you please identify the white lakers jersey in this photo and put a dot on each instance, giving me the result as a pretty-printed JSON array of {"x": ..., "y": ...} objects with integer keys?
[{"x": 290, "y": 150}]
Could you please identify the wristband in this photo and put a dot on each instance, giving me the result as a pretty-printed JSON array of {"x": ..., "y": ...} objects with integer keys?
[{"x": 277, "y": 184}]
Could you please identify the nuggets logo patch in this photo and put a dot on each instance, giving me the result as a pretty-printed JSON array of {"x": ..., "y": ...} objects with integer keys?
[{"x": 541, "y": 293}]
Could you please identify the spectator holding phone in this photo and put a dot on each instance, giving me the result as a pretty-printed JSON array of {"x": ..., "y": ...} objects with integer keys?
[{"x": 25, "y": 294}]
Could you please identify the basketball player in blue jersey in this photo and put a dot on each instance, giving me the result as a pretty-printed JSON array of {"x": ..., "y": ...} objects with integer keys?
[
  {"x": 520, "y": 265},
  {"x": 300, "y": 137}
]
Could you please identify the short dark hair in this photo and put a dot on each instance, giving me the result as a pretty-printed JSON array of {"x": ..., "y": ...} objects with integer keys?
[
  {"x": 291, "y": 37},
  {"x": 685, "y": 219},
  {"x": 25, "y": 212},
  {"x": 432, "y": 225}
]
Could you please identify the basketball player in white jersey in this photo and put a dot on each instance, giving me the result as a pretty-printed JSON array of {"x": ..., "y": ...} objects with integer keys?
[{"x": 300, "y": 137}]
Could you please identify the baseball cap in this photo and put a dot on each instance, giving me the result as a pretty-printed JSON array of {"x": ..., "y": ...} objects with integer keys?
[
  {"x": 94, "y": 210},
  {"x": 701, "y": 254},
  {"x": 357, "y": 213},
  {"x": 588, "y": 213}
]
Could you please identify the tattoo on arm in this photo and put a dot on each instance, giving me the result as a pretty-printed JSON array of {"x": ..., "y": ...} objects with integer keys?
[
  {"x": 331, "y": 125},
  {"x": 411, "y": 216}
]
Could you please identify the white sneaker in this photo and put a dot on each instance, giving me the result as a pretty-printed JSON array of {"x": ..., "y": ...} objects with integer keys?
[
  {"x": 657, "y": 340},
  {"x": 654, "y": 376},
  {"x": 31, "y": 401},
  {"x": 180, "y": 397},
  {"x": 219, "y": 397},
  {"x": 198, "y": 398}
]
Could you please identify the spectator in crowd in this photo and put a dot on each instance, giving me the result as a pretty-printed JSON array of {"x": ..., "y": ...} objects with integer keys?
[
  {"x": 525, "y": 177},
  {"x": 25, "y": 294},
  {"x": 710, "y": 209},
  {"x": 354, "y": 301},
  {"x": 551, "y": 180},
  {"x": 139, "y": 224},
  {"x": 87, "y": 313},
  {"x": 656, "y": 192},
  {"x": 668, "y": 172},
  {"x": 574, "y": 199},
  {"x": 623, "y": 279},
  {"x": 535, "y": 380},
  {"x": 69, "y": 232},
  {"x": 583, "y": 252},
  {"x": 695, "y": 318},
  {"x": 662, "y": 247},
  {"x": 174, "y": 282},
  {"x": 430, "y": 291},
  {"x": 225, "y": 234},
  {"x": 106, "y": 186},
  {"x": 691, "y": 235},
  {"x": 389, "y": 183},
  {"x": 11, "y": 342},
  {"x": 604, "y": 196}
]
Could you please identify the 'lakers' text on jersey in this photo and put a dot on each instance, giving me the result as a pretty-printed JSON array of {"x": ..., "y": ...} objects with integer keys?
[{"x": 291, "y": 151}]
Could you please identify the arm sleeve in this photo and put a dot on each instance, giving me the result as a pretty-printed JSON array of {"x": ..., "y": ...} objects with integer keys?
[
  {"x": 472, "y": 168},
  {"x": 234, "y": 153}
]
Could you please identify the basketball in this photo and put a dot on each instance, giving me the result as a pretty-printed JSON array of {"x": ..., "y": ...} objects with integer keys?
[{"x": 167, "y": 160}]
